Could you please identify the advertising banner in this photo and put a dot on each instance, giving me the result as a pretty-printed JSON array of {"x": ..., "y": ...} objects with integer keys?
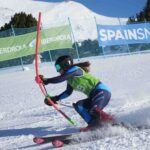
[
  {"x": 23, "y": 45},
  {"x": 123, "y": 34}
]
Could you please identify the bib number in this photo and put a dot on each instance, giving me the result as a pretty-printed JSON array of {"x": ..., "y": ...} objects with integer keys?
[{"x": 80, "y": 88}]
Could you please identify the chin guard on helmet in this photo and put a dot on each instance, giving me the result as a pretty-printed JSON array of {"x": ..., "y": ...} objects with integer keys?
[{"x": 58, "y": 68}]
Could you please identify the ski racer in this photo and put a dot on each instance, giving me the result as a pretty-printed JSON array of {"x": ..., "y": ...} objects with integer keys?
[{"x": 79, "y": 78}]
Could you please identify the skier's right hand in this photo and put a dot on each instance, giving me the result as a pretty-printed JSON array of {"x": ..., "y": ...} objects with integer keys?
[
  {"x": 38, "y": 79},
  {"x": 41, "y": 79}
]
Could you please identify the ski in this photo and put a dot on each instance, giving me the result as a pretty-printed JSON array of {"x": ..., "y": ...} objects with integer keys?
[
  {"x": 71, "y": 138},
  {"x": 44, "y": 140},
  {"x": 61, "y": 140},
  {"x": 77, "y": 137}
]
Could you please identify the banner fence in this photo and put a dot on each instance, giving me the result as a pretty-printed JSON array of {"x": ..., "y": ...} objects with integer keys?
[{"x": 78, "y": 38}]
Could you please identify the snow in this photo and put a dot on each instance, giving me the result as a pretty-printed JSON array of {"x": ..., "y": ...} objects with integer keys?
[
  {"x": 56, "y": 14},
  {"x": 23, "y": 114},
  {"x": 8, "y": 8},
  {"x": 52, "y": 12}
]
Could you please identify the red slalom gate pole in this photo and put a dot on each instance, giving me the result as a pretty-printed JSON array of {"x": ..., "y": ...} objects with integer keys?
[{"x": 37, "y": 73}]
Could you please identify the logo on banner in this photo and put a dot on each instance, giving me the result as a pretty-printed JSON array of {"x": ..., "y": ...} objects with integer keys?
[{"x": 32, "y": 43}]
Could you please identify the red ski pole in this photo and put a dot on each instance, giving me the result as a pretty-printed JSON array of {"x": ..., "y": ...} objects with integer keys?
[{"x": 37, "y": 73}]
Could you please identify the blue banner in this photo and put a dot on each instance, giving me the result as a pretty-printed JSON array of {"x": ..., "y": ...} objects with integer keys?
[{"x": 123, "y": 34}]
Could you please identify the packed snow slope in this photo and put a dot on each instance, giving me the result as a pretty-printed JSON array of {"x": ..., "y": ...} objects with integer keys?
[
  {"x": 55, "y": 14},
  {"x": 52, "y": 12},
  {"x": 23, "y": 114}
]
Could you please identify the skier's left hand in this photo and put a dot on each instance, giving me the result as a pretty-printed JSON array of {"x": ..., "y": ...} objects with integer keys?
[{"x": 53, "y": 98}]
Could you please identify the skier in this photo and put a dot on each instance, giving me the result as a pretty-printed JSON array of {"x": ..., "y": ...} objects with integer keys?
[{"x": 78, "y": 78}]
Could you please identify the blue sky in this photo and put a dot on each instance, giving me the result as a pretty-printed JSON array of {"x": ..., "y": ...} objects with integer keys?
[{"x": 113, "y": 8}]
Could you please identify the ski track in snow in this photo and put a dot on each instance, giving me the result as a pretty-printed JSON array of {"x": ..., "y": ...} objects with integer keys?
[{"x": 23, "y": 114}]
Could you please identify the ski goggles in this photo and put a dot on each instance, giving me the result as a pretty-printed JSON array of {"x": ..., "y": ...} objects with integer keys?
[{"x": 58, "y": 68}]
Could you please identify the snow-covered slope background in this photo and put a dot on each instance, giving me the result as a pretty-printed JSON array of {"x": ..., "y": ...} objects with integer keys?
[
  {"x": 23, "y": 114},
  {"x": 53, "y": 14}
]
